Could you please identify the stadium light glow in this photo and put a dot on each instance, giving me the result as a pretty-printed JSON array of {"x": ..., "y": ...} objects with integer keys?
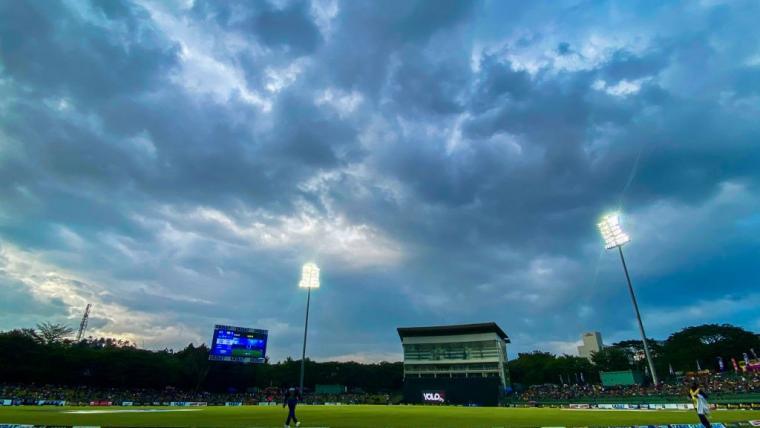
[
  {"x": 615, "y": 237},
  {"x": 309, "y": 276},
  {"x": 612, "y": 232}
]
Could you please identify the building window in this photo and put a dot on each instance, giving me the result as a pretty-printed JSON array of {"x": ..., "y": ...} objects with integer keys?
[{"x": 453, "y": 351}]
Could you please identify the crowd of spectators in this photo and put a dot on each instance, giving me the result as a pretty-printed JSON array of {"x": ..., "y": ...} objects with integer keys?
[
  {"x": 715, "y": 384},
  {"x": 747, "y": 383},
  {"x": 84, "y": 395}
]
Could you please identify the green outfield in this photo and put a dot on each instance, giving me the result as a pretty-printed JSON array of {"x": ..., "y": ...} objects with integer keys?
[{"x": 349, "y": 416}]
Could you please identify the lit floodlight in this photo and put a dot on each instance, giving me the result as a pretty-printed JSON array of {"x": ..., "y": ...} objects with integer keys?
[
  {"x": 309, "y": 280},
  {"x": 612, "y": 232},
  {"x": 614, "y": 237},
  {"x": 309, "y": 276}
]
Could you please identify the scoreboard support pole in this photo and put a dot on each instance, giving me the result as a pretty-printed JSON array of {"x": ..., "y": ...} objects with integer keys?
[{"x": 305, "y": 330}]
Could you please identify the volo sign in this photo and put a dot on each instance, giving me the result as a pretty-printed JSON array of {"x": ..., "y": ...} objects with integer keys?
[{"x": 434, "y": 396}]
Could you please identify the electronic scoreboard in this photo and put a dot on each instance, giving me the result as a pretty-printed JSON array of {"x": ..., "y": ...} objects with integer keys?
[{"x": 238, "y": 344}]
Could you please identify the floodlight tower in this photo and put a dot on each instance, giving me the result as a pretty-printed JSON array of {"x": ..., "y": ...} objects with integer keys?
[
  {"x": 615, "y": 237},
  {"x": 309, "y": 280},
  {"x": 83, "y": 324}
]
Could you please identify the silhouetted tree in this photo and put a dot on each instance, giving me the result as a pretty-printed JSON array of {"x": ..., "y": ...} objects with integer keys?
[
  {"x": 44, "y": 357},
  {"x": 535, "y": 368},
  {"x": 611, "y": 359},
  {"x": 53, "y": 333},
  {"x": 705, "y": 343}
]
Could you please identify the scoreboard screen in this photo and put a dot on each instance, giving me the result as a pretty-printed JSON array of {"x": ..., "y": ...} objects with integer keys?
[{"x": 238, "y": 344}]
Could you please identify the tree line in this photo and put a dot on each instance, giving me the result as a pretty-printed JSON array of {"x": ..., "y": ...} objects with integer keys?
[
  {"x": 45, "y": 356},
  {"x": 688, "y": 350},
  {"x": 32, "y": 356}
]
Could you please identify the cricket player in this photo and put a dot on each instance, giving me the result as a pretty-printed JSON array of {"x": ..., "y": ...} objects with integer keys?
[
  {"x": 699, "y": 398},
  {"x": 291, "y": 400}
]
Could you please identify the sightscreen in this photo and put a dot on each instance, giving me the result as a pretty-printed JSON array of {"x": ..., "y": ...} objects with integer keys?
[{"x": 238, "y": 344}]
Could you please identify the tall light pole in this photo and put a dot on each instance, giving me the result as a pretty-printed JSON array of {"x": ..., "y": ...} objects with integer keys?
[
  {"x": 309, "y": 280},
  {"x": 615, "y": 237}
]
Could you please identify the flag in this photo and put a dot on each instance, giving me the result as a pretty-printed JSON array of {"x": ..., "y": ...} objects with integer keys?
[
  {"x": 699, "y": 367},
  {"x": 736, "y": 366},
  {"x": 670, "y": 369},
  {"x": 721, "y": 366}
]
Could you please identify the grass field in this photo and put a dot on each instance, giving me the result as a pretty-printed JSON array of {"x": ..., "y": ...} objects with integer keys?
[{"x": 351, "y": 417}]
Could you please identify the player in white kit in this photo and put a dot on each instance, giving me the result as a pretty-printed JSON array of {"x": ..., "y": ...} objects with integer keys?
[{"x": 699, "y": 398}]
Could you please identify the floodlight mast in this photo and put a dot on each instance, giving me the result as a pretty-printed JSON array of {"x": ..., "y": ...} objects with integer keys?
[
  {"x": 309, "y": 280},
  {"x": 614, "y": 236}
]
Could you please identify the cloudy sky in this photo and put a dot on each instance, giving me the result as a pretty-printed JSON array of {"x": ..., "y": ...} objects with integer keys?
[{"x": 175, "y": 162}]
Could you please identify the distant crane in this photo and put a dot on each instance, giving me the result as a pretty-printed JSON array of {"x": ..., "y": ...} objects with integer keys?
[{"x": 83, "y": 324}]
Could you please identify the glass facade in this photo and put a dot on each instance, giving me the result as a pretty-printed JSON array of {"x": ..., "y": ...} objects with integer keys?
[
  {"x": 467, "y": 359},
  {"x": 487, "y": 349},
  {"x": 452, "y": 367},
  {"x": 453, "y": 353}
]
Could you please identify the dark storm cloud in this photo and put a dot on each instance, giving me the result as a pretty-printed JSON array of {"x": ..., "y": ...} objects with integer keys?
[
  {"x": 499, "y": 83},
  {"x": 17, "y": 305},
  {"x": 371, "y": 37},
  {"x": 309, "y": 137},
  {"x": 442, "y": 161},
  {"x": 627, "y": 65},
  {"x": 288, "y": 26},
  {"x": 425, "y": 86},
  {"x": 52, "y": 49}
]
